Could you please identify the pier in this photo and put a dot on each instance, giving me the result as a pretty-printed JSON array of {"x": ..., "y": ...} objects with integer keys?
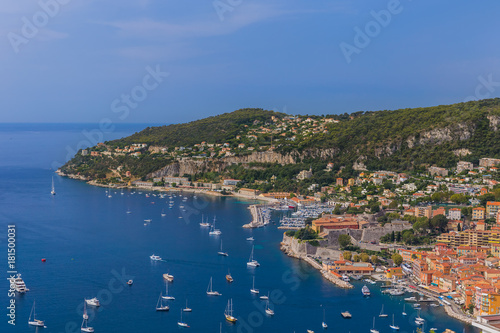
[{"x": 260, "y": 216}]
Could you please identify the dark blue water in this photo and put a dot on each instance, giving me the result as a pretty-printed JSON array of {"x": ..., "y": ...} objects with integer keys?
[{"x": 92, "y": 247}]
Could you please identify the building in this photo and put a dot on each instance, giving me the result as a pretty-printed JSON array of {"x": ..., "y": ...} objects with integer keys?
[
  {"x": 277, "y": 195},
  {"x": 489, "y": 162},
  {"x": 231, "y": 182},
  {"x": 438, "y": 171},
  {"x": 304, "y": 174},
  {"x": 339, "y": 182},
  {"x": 462, "y": 166},
  {"x": 423, "y": 211},
  {"x": 176, "y": 180},
  {"x": 335, "y": 222},
  {"x": 492, "y": 208},
  {"x": 478, "y": 213},
  {"x": 454, "y": 214},
  {"x": 249, "y": 192},
  {"x": 351, "y": 182}
]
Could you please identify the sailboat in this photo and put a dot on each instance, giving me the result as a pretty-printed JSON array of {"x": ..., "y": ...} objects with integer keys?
[
  {"x": 269, "y": 311},
  {"x": 404, "y": 310},
  {"x": 265, "y": 297},
  {"x": 85, "y": 327},
  {"x": 166, "y": 294},
  {"x": 163, "y": 213},
  {"x": 160, "y": 306},
  {"x": 323, "y": 324},
  {"x": 53, "y": 192},
  {"x": 214, "y": 231},
  {"x": 252, "y": 262},
  {"x": 228, "y": 313},
  {"x": 210, "y": 292},
  {"x": 35, "y": 322},
  {"x": 419, "y": 320},
  {"x": 382, "y": 314},
  {"x": 393, "y": 326},
  {"x": 229, "y": 278},
  {"x": 373, "y": 330},
  {"x": 186, "y": 309},
  {"x": 181, "y": 323},
  {"x": 222, "y": 253},
  {"x": 204, "y": 224},
  {"x": 253, "y": 290}
]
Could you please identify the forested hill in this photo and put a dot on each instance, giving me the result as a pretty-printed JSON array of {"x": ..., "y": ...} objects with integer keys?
[{"x": 216, "y": 129}]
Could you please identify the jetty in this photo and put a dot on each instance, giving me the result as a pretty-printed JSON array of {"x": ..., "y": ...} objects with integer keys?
[{"x": 260, "y": 216}]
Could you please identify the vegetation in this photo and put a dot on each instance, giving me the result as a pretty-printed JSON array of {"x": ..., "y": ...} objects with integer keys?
[
  {"x": 397, "y": 259},
  {"x": 344, "y": 241}
]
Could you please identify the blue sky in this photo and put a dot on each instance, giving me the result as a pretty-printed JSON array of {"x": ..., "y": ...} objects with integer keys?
[{"x": 77, "y": 61}]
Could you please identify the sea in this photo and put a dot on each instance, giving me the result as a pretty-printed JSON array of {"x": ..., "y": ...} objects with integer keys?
[{"x": 92, "y": 246}]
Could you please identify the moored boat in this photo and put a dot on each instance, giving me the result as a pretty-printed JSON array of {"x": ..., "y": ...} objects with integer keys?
[
  {"x": 228, "y": 313},
  {"x": 365, "y": 291}
]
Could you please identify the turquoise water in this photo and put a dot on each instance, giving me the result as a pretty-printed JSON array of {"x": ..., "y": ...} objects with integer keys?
[{"x": 92, "y": 247}]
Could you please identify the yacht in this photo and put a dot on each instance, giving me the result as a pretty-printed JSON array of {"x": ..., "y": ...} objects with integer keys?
[
  {"x": 411, "y": 299},
  {"x": 269, "y": 311},
  {"x": 346, "y": 314},
  {"x": 210, "y": 291},
  {"x": 397, "y": 292},
  {"x": 229, "y": 278},
  {"x": 168, "y": 277},
  {"x": 250, "y": 239},
  {"x": 130, "y": 282},
  {"x": 167, "y": 297},
  {"x": 53, "y": 191},
  {"x": 214, "y": 231},
  {"x": 394, "y": 326},
  {"x": 222, "y": 253},
  {"x": 19, "y": 284},
  {"x": 204, "y": 224},
  {"x": 93, "y": 302},
  {"x": 34, "y": 321},
  {"x": 323, "y": 323},
  {"x": 345, "y": 278},
  {"x": 160, "y": 306},
  {"x": 155, "y": 258},
  {"x": 382, "y": 314},
  {"x": 373, "y": 330},
  {"x": 265, "y": 297},
  {"x": 365, "y": 291},
  {"x": 228, "y": 313},
  {"x": 252, "y": 262},
  {"x": 181, "y": 323}
]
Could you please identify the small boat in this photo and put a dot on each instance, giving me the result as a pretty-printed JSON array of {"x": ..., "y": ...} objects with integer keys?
[
  {"x": 373, "y": 330},
  {"x": 163, "y": 213},
  {"x": 253, "y": 290},
  {"x": 252, "y": 262},
  {"x": 34, "y": 321},
  {"x": 393, "y": 326},
  {"x": 269, "y": 311},
  {"x": 419, "y": 320},
  {"x": 228, "y": 313},
  {"x": 85, "y": 327},
  {"x": 345, "y": 278},
  {"x": 128, "y": 211},
  {"x": 411, "y": 299},
  {"x": 397, "y": 292},
  {"x": 148, "y": 220},
  {"x": 346, "y": 315},
  {"x": 168, "y": 277},
  {"x": 365, "y": 291},
  {"x": 310, "y": 331},
  {"x": 160, "y": 306},
  {"x": 222, "y": 253},
  {"x": 229, "y": 278},
  {"x": 130, "y": 282},
  {"x": 433, "y": 330},
  {"x": 323, "y": 323},
  {"x": 155, "y": 258},
  {"x": 53, "y": 191},
  {"x": 213, "y": 231},
  {"x": 210, "y": 291},
  {"x": 181, "y": 323},
  {"x": 250, "y": 239},
  {"x": 382, "y": 314},
  {"x": 93, "y": 301},
  {"x": 167, "y": 297},
  {"x": 186, "y": 309},
  {"x": 265, "y": 297},
  {"x": 404, "y": 310}
]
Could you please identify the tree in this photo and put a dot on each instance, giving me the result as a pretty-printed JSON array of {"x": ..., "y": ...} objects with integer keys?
[
  {"x": 347, "y": 255},
  {"x": 397, "y": 259},
  {"x": 344, "y": 241},
  {"x": 337, "y": 211},
  {"x": 459, "y": 198},
  {"x": 355, "y": 258},
  {"x": 364, "y": 257},
  {"x": 374, "y": 259},
  {"x": 459, "y": 228},
  {"x": 421, "y": 225},
  {"x": 467, "y": 211},
  {"x": 471, "y": 308},
  {"x": 439, "y": 222},
  {"x": 392, "y": 237}
]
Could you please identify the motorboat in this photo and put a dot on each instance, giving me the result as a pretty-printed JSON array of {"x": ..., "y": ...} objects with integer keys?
[
  {"x": 155, "y": 258},
  {"x": 365, "y": 291},
  {"x": 93, "y": 302}
]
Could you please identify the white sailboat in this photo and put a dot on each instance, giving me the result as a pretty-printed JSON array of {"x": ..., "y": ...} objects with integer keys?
[
  {"x": 265, "y": 297},
  {"x": 167, "y": 297},
  {"x": 53, "y": 191},
  {"x": 382, "y": 314},
  {"x": 204, "y": 224},
  {"x": 323, "y": 324},
  {"x": 252, "y": 262},
  {"x": 269, "y": 311},
  {"x": 186, "y": 309},
  {"x": 222, "y": 253},
  {"x": 163, "y": 213},
  {"x": 393, "y": 326},
  {"x": 160, "y": 306},
  {"x": 85, "y": 327},
  {"x": 404, "y": 310},
  {"x": 210, "y": 291},
  {"x": 253, "y": 290},
  {"x": 181, "y": 323},
  {"x": 34, "y": 321},
  {"x": 214, "y": 231},
  {"x": 373, "y": 330}
]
